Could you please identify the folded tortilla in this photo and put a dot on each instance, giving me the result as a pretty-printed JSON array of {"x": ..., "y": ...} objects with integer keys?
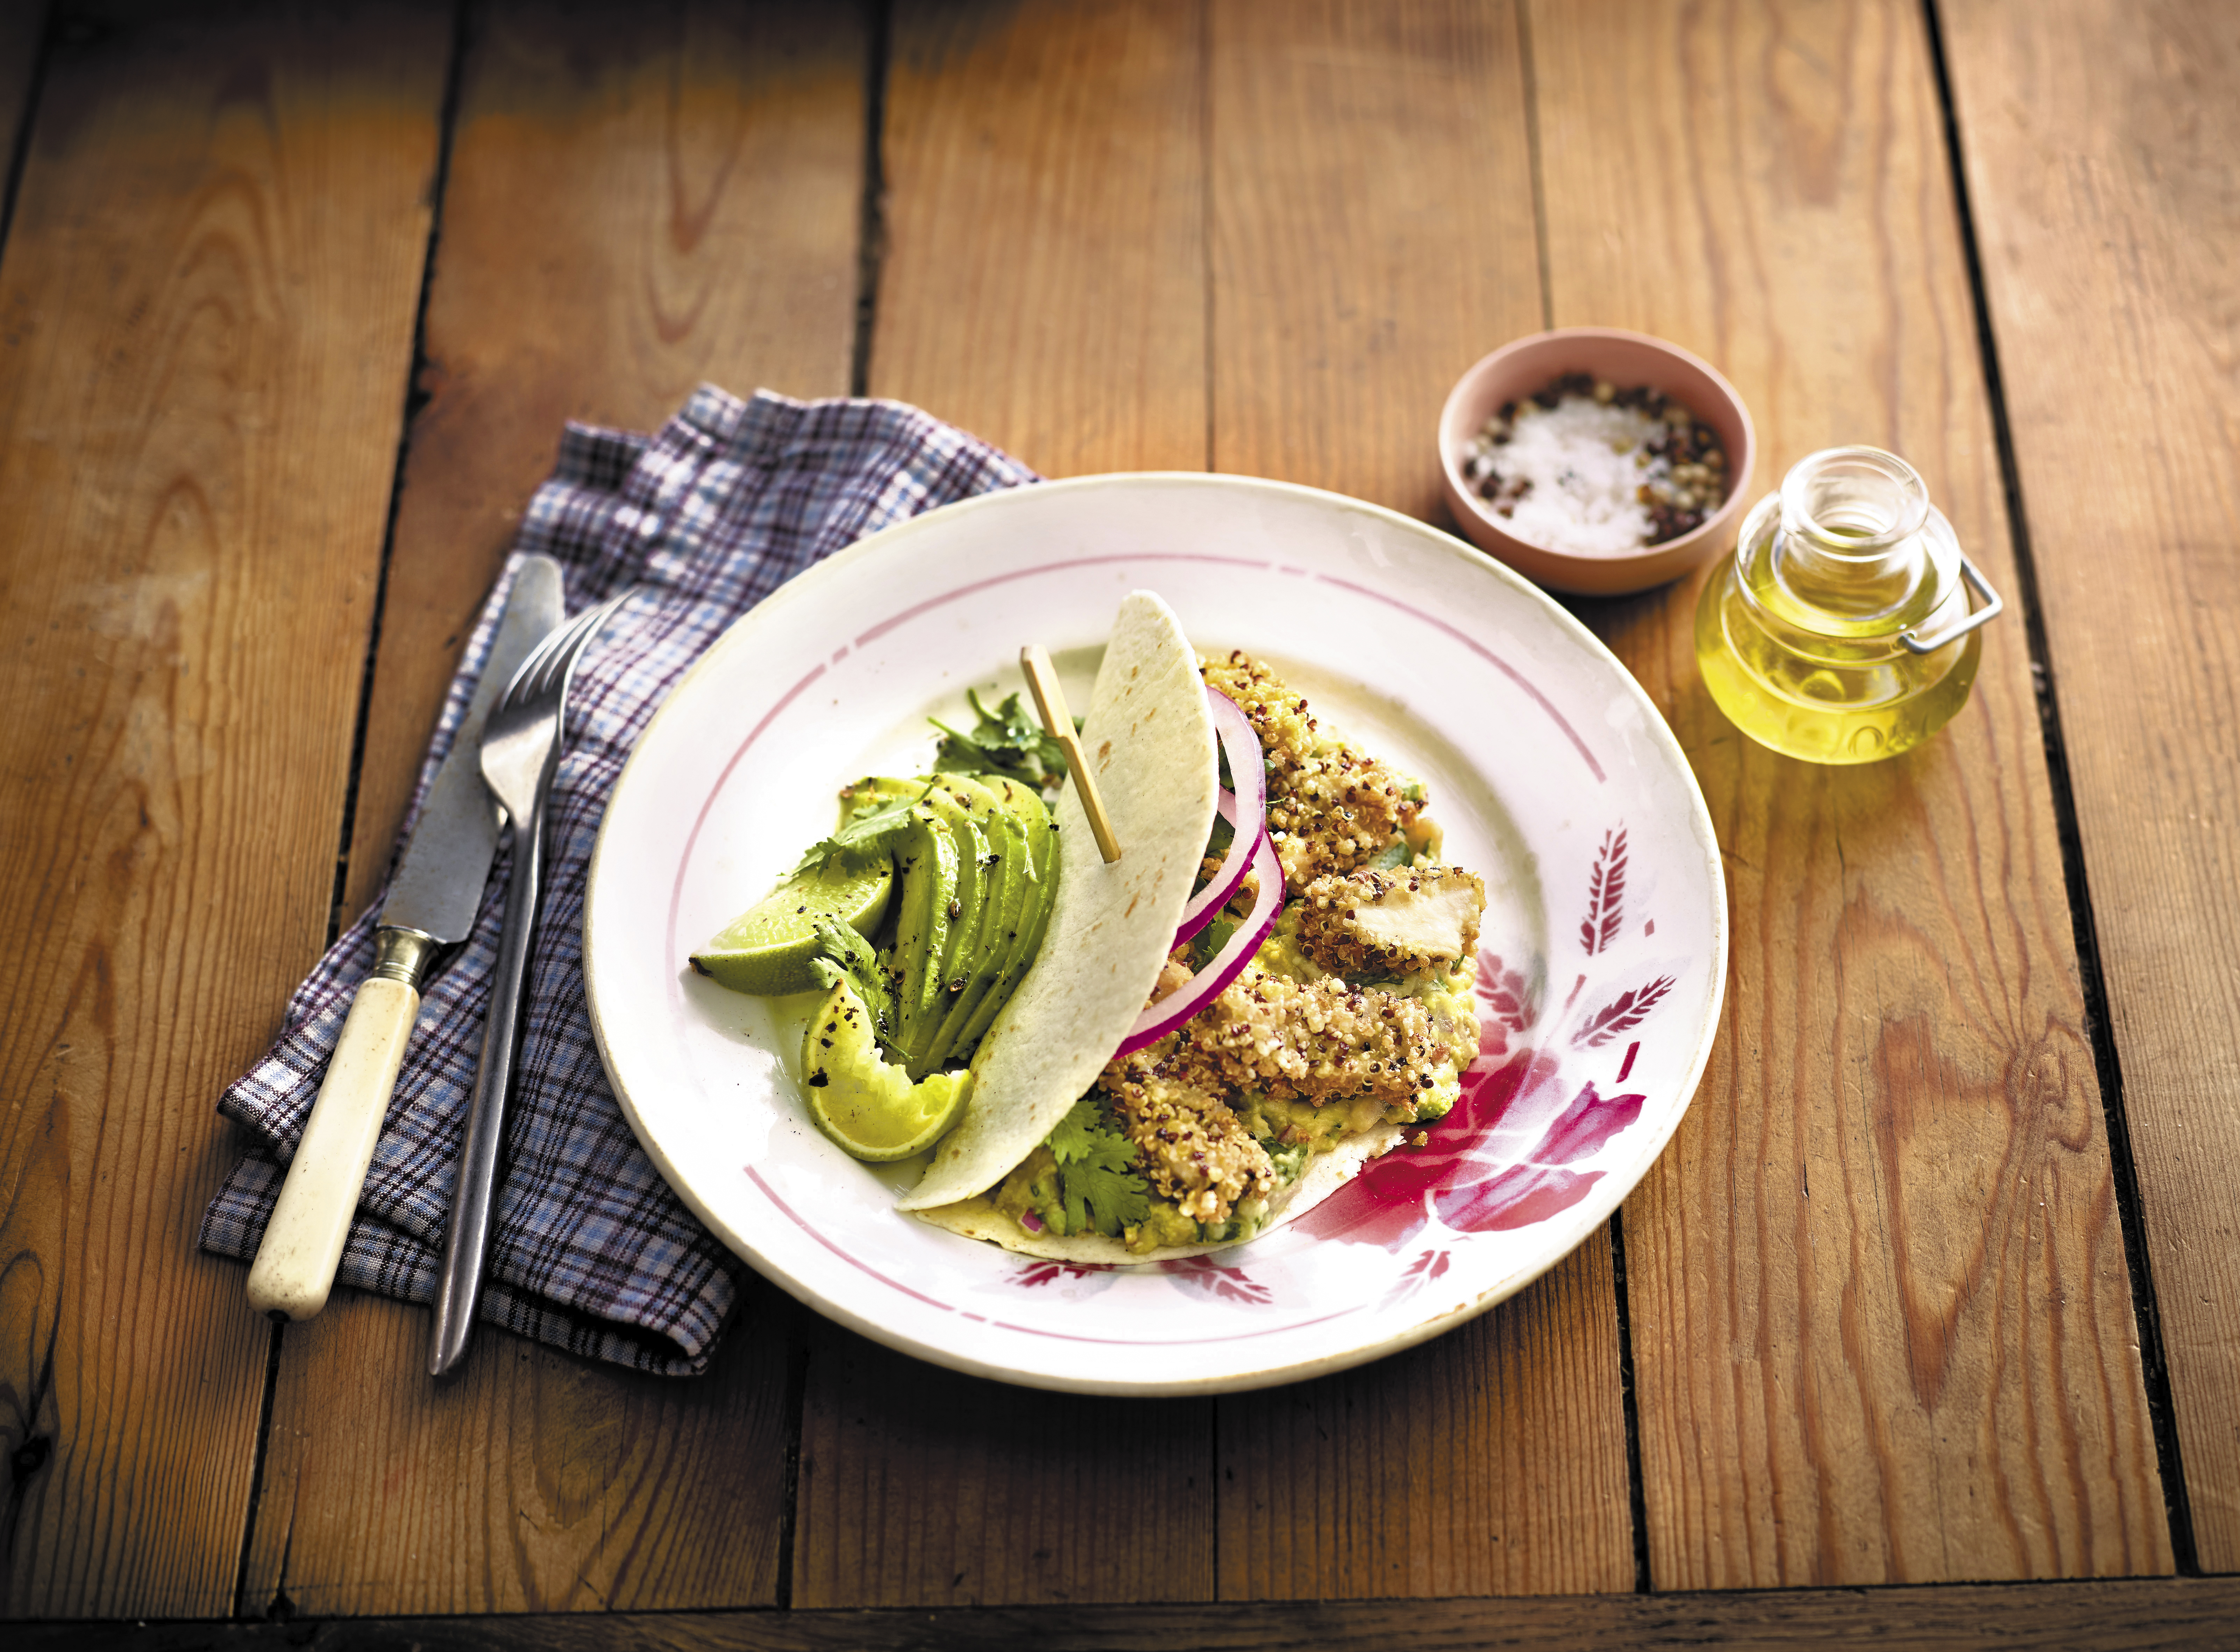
[{"x": 1149, "y": 740}]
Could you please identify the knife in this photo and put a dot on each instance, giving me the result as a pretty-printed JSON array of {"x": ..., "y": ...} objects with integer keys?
[{"x": 432, "y": 905}]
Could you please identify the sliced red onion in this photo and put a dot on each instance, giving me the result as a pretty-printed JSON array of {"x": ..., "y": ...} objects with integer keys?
[
  {"x": 1030, "y": 1221},
  {"x": 1178, "y": 1006},
  {"x": 1245, "y": 809}
]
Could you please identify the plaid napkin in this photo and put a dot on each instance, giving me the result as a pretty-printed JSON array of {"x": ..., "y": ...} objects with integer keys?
[{"x": 590, "y": 1249}]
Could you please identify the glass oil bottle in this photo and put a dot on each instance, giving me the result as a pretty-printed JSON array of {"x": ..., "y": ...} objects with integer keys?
[{"x": 1839, "y": 629}]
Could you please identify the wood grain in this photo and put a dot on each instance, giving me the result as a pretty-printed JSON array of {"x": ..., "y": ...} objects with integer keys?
[
  {"x": 535, "y": 1481},
  {"x": 636, "y": 203},
  {"x": 205, "y": 327},
  {"x": 2107, "y": 245},
  {"x": 21, "y": 29},
  {"x": 2169, "y": 1616},
  {"x": 1372, "y": 235},
  {"x": 1490, "y": 1461},
  {"x": 920, "y": 1487},
  {"x": 1043, "y": 286},
  {"x": 1882, "y": 1324},
  {"x": 1042, "y": 282}
]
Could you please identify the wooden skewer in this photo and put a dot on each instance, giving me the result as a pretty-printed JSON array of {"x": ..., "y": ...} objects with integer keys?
[{"x": 1050, "y": 700}]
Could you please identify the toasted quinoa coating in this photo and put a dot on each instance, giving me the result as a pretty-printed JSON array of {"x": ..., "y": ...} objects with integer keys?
[
  {"x": 1192, "y": 1148},
  {"x": 1330, "y": 808},
  {"x": 1321, "y": 1041},
  {"x": 1333, "y": 932}
]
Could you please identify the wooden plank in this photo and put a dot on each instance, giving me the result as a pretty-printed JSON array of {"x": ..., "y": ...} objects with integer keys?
[
  {"x": 1372, "y": 235},
  {"x": 207, "y": 297},
  {"x": 1043, "y": 286},
  {"x": 1490, "y": 1461},
  {"x": 1044, "y": 277},
  {"x": 920, "y": 1487},
  {"x": 2171, "y": 1616},
  {"x": 635, "y": 204},
  {"x": 1882, "y": 1321},
  {"x": 535, "y": 1479},
  {"x": 21, "y": 29},
  {"x": 2107, "y": 246}
]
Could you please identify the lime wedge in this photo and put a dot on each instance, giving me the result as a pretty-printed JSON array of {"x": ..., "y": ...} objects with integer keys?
[
  {"x": 767, "y": 948},
  {"x": 870, "y": 1109}
]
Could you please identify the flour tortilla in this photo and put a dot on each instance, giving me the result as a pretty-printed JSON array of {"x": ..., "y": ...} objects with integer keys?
[{"x": 1149, "y": 742}]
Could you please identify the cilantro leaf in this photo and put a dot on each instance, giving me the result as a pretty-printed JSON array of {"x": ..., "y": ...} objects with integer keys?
[
  {"x": 1071, "y": 1140},
  {"x": 1206, "y": 945},
  {"x": 1003, "y": 741},
  {"x": 1113, "y": 1201},
  {"x": 1094, "y": 1161},
  {"x": 870, "y": 831}
]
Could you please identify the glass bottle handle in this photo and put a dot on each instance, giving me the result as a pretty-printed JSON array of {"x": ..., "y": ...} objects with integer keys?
[{"x": 1917, "y": 644}]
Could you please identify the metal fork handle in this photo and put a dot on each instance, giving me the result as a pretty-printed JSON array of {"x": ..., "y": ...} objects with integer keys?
[{"x": 459, "y": 1287}]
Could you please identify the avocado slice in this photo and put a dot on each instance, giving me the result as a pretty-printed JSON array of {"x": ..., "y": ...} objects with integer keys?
[
  {"x": 872, "y": 790},
  {"x": 1026, "y": 937},
  {"x": 926, "y": 927},
  {"x": 1003, "y": 898},
  {"x": 927, "y": 862},
  {"x": 955, "y": 918}
]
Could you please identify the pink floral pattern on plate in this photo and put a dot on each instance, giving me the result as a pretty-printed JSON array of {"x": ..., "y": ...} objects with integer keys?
[
  {"x": 1471, "y": 1173},
  {"x": 1212, "y": 1277}
]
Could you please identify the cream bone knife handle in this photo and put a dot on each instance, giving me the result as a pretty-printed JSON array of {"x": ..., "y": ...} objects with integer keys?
[{"x": 302, "y": 1243}]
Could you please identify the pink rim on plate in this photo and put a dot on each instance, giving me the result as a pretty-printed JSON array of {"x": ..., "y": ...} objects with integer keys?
[{"x": 1602, "y": 960}]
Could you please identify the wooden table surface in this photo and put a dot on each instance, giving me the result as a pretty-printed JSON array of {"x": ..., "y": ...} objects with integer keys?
[{"x": 1939, "y": 1282}]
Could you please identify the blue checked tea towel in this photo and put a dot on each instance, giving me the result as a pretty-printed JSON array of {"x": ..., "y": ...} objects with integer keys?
[{"x": 591, "y": 1250}]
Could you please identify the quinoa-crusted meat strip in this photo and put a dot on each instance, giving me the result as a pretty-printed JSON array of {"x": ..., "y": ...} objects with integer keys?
[
  {"x": 1368, "y": 922},
  {"x": 1330, "y": 808},
  {"x": 1194, "y": 1149},
  {"x": 1322, "y": 1040}
]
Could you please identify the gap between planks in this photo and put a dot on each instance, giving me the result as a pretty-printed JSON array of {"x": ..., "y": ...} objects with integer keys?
[
  {"x": 2099, "y": 1023},
  {"x": 447, "y": 122}
]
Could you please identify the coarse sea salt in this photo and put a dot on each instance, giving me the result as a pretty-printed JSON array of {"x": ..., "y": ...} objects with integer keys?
[{"x": 1570, "y": 478}]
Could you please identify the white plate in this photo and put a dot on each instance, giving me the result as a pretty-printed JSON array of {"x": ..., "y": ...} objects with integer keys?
[{"x": 1604, "y": 945}]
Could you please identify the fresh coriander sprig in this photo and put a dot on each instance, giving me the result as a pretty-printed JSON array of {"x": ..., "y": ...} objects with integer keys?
[
  {"x": 1007, "y": 741},
  {"x": 1093, "y": 1165}
]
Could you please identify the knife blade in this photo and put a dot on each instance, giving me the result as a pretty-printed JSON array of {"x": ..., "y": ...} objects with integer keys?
[{"x": 432, "y": 905}]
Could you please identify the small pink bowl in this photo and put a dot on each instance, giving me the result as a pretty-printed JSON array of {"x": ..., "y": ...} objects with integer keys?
[{"x": 1519, "y": 369}]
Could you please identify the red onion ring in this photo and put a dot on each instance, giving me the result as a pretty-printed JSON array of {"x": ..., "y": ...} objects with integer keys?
[
  {"x": 1246, "y": 810},
  {"x": 1168, "y": 1013}
]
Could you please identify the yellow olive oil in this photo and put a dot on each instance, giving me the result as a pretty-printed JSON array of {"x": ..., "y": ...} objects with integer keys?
[
  {"x": 1822, "y": 710},
  {"x": 1802, "y": 633}
]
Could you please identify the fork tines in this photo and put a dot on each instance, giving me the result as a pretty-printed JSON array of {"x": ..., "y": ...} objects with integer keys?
[{"x": 557, "y": 654}]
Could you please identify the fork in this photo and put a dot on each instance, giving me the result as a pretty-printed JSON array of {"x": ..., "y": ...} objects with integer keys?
[{"x": 520, "y": 754}]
